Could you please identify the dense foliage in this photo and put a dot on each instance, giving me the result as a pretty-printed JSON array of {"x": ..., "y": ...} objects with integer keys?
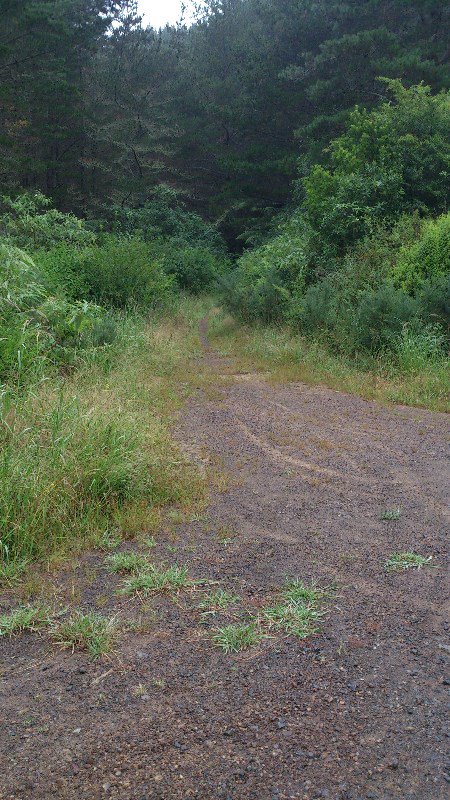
[{"x": 357, "y": 265}]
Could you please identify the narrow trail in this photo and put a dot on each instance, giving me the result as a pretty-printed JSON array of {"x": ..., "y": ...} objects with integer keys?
[{"x": 356, "y": 712}]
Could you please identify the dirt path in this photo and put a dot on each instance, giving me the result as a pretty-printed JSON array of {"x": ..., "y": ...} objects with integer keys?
[{"x": 354, "y": 712}]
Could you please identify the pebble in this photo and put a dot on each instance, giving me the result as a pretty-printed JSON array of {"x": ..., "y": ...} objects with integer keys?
[{"x": 392, "y": 763}]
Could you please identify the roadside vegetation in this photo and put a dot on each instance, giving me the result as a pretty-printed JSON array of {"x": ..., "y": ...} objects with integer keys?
[
  {"x": 91, "y": 378},
  {"x": 353, "y": 290}
]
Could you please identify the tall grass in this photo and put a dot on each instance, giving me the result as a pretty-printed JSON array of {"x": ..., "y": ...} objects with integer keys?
[
  {"x": 417, "y": 374},
  {"x": 94, "y": 450}
]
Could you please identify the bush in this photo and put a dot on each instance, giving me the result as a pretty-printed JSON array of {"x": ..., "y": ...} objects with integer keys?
[
  {"x": 29, "y": 222},
  {"x": 390, "y": 160},
  {"x": 195, "y": 269},
  {"x": 380, "y": 317},
  {"x": 317, "y": 309},
  {"x": 163, "y": 218},
  {"x": 124, "y": 271},
  {"x": 434, "y": 302},
  {"x": 426, "y": 259}
]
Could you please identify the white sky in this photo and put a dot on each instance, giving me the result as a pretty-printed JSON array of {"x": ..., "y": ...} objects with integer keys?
[{"x": 158, "y": 12}]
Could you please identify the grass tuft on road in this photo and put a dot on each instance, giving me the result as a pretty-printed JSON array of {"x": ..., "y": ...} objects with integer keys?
[
  {"x": 299, "y": 610},
  {"x": 92, "y": 632},
  {"x": 399, "y": 562},
  {"x": 234, "y": 638},
  {"x": 156, "y": 579},
  {"x": 24, "y": 618},
  {"x": 126, "y": 562}
]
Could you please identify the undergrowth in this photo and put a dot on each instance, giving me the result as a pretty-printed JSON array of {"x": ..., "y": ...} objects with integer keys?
[
  {"x": 286, "y": 356},
  {"x": 91, "y": 452}
]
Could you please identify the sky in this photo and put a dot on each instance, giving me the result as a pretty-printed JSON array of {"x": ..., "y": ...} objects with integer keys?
[{"x": 158, "y": 12}]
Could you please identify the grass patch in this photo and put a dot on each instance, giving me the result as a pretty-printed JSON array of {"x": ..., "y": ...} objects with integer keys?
[
  {"x": 234, "y": 638},
  {"x": 398, "y": 562},
  {"x": 286, "y": 356},
  {"x": 299, "y": 610},
  {"x": 125, "y": 562},
  {"x": 92, "y": 632},
  {"x": 391, "y": 514},
  {"x": 92, "y": 451},
  {"x": 24, "y": 618},
  {"x": 154, "y": 579},
  {"x": 217, "y": 601}
]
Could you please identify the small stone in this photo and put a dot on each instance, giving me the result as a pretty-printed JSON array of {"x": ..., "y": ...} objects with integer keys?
[
  {"x": 82, "y": 670},
  {"x": 281, "y": 724},
  {"x": 392, "y": 763},
  {"x": 76, "y": 730},
  {"x": 106, "y": 787},
  {"x": 446, "y": 681}
]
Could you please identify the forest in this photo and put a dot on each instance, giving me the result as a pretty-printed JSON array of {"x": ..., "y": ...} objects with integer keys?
[{"x": 224, "y": 340}]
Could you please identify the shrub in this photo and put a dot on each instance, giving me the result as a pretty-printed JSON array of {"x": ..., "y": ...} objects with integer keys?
[
  {"x": 194, "y": 268},
  {"x": 426, "y": 259},
  {"x": 123, "y": 271},
  {"x": 434, "y": 302},
  {"x": 389, "y": 160},
  {"x": 29, "y": 222},
  {"x": 380, "y": 317},
  {"x": 163, "y": 217},
  {"x": 261, "y": 285}
]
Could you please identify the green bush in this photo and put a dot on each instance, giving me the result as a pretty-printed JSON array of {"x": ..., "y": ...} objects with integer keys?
[
  {"x": 163, "y": 217},
  {"x": 434, "y": 302},
  {"x": 261, "y": 285},
  {"x": 426, "y": 259},
  {"x": 122, "y": 272},
  {"x": 29, "y": 222},
  {"x": 60, "y": 272},
  {"x": 195, "y": 269},
  {"x": 38, "y": 331},
  {"x": 390, "y": 160},
  {"x": 380, "y": 317}
]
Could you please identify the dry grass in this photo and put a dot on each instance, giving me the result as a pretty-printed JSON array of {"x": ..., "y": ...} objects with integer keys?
[{"x": 285, "y": 357}]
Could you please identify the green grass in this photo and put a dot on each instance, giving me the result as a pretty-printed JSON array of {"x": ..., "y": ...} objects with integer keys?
[
  {"x": 234, "y": 638},
  {"x": 125, "y": 562},
  {"x": 399, "y": 562},
  {"x": 217, "y": 601},
  {"x": 391, "y": 514},
  {"x": 286, "y": 356},
  {"x": 92, "y": 632},
  {"x": 156, "y": 579},
  {"x": 11, "y": 571},
  {"x": 24, "y": 618},
  {"x": 299, "y": 611},
  {"x": 92, "y": 451}
]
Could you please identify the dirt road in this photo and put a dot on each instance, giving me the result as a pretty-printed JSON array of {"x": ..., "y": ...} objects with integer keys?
[{"x": 354, "y": 712}]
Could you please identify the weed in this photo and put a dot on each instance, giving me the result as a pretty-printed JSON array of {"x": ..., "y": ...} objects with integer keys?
[
  {"x": 226, "y": 535},
  {"x": 234, "y": 638},
  {"x": 24, "y": 618},
  {"x": 126, "y": 562},
  {"x": 10, "y": 571},
  {"x": 155, "y": 579},
  {"x": 391, "y": 514},
  {"x": 299, "y": 611},
  {"x": 109, "y": 540},
  {"x": 150, "y": 542},
  {"x": 398, "y": 562},
  {"x": 92, "y": 632},
  {"x": 217, "y": 601}
]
